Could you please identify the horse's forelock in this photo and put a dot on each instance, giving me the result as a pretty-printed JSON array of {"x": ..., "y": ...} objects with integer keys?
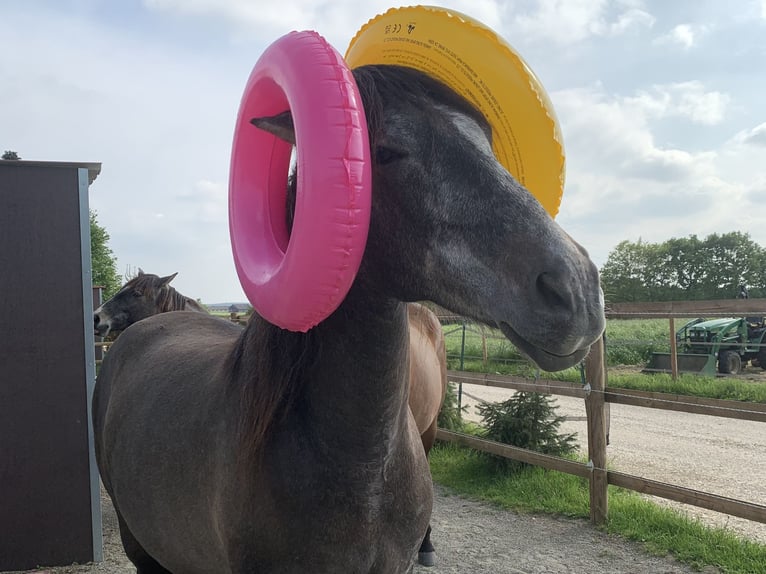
[
  {"x": 165, "y": 296},
  {"x": 140, "y": 283},
  {"x": 379, "y": 85}
]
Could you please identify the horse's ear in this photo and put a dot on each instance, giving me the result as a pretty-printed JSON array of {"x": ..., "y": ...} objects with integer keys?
[
  {"x": 140, "y": 271},
  {"x": 280, "y": 125},
  {"x": 165, "y": 281}
]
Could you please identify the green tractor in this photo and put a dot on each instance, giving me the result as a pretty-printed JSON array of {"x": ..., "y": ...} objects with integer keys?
[{"x": 726, "y": 343}]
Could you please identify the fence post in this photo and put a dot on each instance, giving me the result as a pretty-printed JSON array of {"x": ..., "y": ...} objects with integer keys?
[
  {"x": 462, "y": 362},
  {"x": 673, "y": 349},
  {"x": 98, "y": 293},
  {"x": 595, "y": 373}
]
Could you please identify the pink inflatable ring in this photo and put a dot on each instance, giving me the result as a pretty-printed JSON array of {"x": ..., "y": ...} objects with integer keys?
[{"x": 296, "y": 281}]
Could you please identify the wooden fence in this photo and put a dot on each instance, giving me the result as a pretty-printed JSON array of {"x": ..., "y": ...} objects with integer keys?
[
  {"x": 597, "y": 396},
  {"x": 672, "y": 310}
]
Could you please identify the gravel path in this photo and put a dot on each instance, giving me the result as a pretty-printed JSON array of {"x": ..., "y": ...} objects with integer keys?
[
  {"x": 473, "y": 537},
  {"x": 722, "y": 456},
  {"x": 712, "y": 454}
]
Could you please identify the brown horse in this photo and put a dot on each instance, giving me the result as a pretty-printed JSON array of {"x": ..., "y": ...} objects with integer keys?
[
  {"x": 265, "y": 450},
  {"x": 147, "y": 294}
]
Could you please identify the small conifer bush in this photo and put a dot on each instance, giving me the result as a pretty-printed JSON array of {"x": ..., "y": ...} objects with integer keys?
[
  {"x": 450, "y": 416},
  {"x": 526, "y": 420}
]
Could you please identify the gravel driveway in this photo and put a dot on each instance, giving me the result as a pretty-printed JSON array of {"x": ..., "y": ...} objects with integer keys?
[
  {"x": 722, "y": 456},
  {"x": 473, "y": 537},
  {"x": 712, "y": 454}
]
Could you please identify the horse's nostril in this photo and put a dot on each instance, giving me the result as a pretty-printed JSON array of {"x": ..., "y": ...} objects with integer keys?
[{"x": 554, "y": 292}]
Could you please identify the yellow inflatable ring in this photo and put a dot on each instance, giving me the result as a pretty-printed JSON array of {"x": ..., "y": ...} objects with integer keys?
[{"x": 478, "y": 64}]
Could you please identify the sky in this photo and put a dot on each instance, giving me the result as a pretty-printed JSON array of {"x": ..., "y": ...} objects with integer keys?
[{"x": 661, "y": 105}]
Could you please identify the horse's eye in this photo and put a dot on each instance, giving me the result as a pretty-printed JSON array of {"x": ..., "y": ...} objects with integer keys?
[
  {"x": 384, "y": 155},
  {"x": 138, "y": 294}
]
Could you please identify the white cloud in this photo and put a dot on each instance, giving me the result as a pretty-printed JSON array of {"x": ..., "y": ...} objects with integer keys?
[
  {"x": 336, "y": 20},
  {"x": 571, "y": 21},
  {"x": 615, "y": 131},
  {"x": 754, "y": 137},
  {"x": 684, "y": 35},
  {"x": 152, "y": 92},
  {"x": 683, "y": 99},
  {"x": 620, "y": 182},
  {"x": 632, "y": 18}
]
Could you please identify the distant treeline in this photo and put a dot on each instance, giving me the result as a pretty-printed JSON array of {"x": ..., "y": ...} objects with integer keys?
[{"x": 717, "y": 267}]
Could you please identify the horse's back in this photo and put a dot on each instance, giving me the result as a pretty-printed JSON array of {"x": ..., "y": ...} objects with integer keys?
[
  {"x": 159, "y": 352},
  {"x": 174, "y": 340}
]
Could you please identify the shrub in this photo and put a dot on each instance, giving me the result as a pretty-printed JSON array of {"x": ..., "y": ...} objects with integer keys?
[
  {"x": 450, "y": 416},
  {"x": 526, "y": 420}
]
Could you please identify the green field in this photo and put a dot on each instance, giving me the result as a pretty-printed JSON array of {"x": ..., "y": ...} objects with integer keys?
[
  {"x": 628, "y": 343},
  {"x": 660, "y": 530}
]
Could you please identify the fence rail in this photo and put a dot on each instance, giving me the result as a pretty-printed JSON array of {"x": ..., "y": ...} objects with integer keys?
[
  {"x": 671, "y": 310},
  {"x": 598, "y": 396},
  {"x": 676, "y": 309},
  {"x": 688, "y": 404}
]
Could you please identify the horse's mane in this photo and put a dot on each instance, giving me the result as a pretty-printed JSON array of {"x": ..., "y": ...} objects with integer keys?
[
  {"x": 267, "y": 366},
  {"x": 269, "y": 380},
  {"x": 166, "y": 297}
]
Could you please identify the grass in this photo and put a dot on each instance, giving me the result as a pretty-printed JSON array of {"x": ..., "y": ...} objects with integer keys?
[
  {"x": 714, "y": 388},
  {"x": 629, "y": 342},
  {"x": 660, "y": 530}
]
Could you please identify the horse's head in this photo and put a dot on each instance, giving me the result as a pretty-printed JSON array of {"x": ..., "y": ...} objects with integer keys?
[
  {"x": 451, "y": 225},
  {"x": 138, "y": 299}
]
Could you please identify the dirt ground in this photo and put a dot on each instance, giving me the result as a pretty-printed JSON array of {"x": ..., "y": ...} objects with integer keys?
[
  {"x": 473, "y": 537},
  {"x": 722, "y": 456},
  {"x": 712, "y": 454}
]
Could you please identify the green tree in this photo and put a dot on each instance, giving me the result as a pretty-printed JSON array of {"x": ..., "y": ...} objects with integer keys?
[
  {"x": 735, "y": 260},
  {"x": 685, "y": 269},
  {"x": 103, "y": 261},
  {"x": 683, "y": 265},
  {"x": 624, "y": 275},
  {"x": 9, "y": 154}
]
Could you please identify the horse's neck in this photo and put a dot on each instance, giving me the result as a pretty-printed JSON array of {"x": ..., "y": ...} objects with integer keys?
[
  {"x": 172, "y": 300},
  {"x": 363, "y": 370},
  {"x": 350, "y": 372},
  {"x": 191, "y": 305}
]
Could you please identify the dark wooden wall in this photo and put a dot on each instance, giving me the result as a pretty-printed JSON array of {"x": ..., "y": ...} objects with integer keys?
[{"x": 48, "y": 511}]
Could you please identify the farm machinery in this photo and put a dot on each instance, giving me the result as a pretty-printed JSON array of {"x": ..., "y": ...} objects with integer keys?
[{"x": 725, "y": 343}]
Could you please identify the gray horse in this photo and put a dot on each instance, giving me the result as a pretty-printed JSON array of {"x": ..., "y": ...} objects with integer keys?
[
  {"x": 141, "y": 297},
  {"x": 147, "y": 294},
  {"x": 263, "y": 450}
]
